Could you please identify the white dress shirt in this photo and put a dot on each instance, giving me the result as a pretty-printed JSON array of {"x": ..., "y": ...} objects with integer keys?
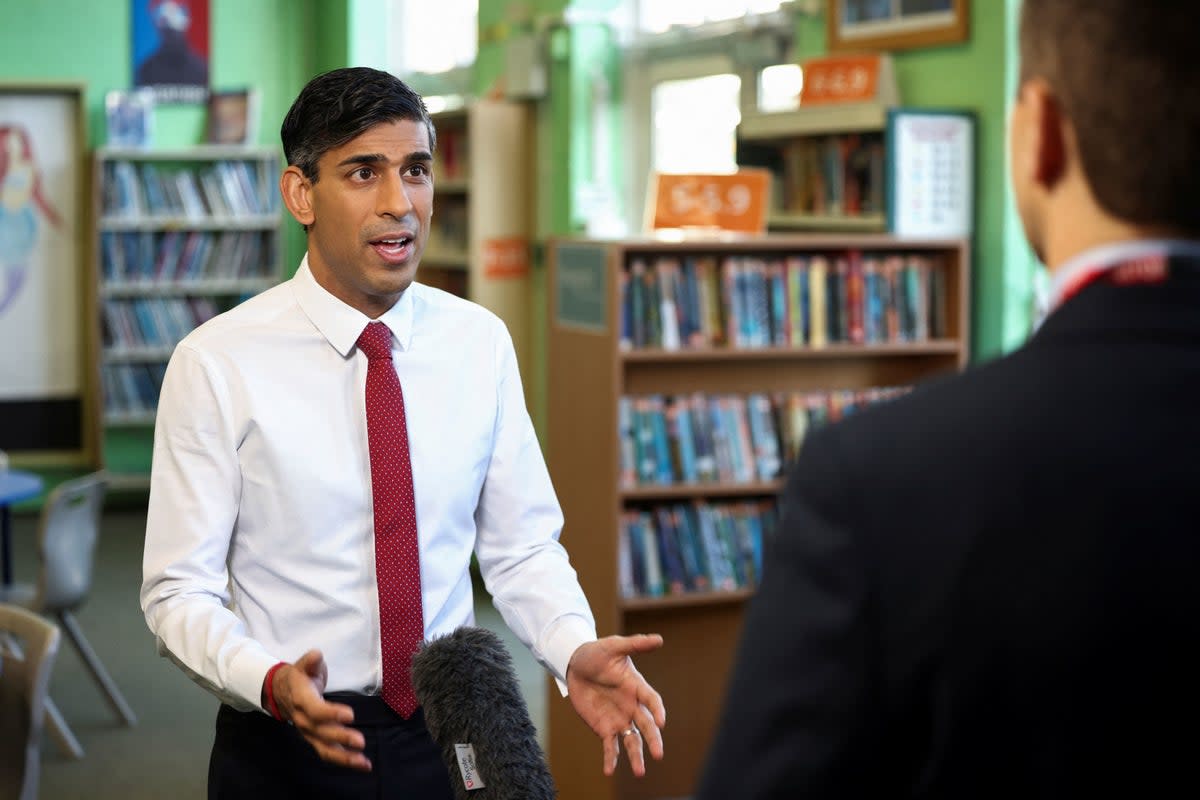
[{"x": 259, "y": 538}]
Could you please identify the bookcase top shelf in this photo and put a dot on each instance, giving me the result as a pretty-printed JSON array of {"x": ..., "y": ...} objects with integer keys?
[{"x": 839, "y": 118}]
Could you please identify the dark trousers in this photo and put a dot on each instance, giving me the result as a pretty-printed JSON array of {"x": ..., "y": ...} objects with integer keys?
[{"x": 255, "y": 757}]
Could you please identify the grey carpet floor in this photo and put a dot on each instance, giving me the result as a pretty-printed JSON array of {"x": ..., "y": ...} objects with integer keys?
[{"x": 166, "y": 754}]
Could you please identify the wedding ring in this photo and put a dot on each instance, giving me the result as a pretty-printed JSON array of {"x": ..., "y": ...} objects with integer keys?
[{"x": 628, "y": 731}]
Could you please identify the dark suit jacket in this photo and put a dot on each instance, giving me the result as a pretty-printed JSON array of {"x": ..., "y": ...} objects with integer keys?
[{"x": 990, "y": 587}]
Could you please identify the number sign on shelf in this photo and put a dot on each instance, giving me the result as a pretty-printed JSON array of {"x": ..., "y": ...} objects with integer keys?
[{"x": 729, "y": 202}]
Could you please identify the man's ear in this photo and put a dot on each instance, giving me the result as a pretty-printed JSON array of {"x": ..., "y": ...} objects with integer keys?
[
  {"x": 297, "y": 194},
  {"x": 1046, "y": 135}
]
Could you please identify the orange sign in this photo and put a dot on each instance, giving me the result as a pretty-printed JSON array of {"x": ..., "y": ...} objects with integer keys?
[
  {"x": 840, "y": 79},
  {"x": 732, "y": 202},
  {"x": 506, "y": 258}
]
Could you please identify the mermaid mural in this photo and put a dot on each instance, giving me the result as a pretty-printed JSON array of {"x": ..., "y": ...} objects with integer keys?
[{"x": 20, "y": 195}]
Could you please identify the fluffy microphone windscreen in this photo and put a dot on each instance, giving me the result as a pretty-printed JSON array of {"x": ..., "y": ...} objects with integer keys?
[{"x": 467, "y": 687}]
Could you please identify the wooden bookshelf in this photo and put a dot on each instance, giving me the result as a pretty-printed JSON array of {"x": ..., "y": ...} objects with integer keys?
[
  {"x": 589, "y": 372},
  {"x": 482, "y": 197},
  {"x": 178, "y": 232}
]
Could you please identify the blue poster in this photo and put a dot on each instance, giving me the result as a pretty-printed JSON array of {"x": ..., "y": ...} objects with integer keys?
[{"x": 170, "y": 49}]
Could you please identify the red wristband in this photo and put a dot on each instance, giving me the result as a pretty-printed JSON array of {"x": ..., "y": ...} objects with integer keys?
[{"x": 269, "y": 690}]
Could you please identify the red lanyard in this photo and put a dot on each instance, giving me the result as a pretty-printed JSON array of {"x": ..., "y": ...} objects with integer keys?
[{"x": 1146, "y": 270}]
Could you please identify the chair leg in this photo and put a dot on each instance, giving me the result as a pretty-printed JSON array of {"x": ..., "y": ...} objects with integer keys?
[
  {"x": 115, "y": 698},
  {"x": 62, "y": 732}
]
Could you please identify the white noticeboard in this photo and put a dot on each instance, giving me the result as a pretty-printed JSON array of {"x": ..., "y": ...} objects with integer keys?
[{"x": 931, "y": 165}]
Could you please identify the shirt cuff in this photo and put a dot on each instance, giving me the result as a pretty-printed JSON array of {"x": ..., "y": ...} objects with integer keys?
[
  {"x": 565, "y": 636},
  {"x": 246, "y": 675}
]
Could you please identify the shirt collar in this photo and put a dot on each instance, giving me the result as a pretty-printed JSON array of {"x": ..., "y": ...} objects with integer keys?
[
  {"x": 1106, "y": 256},
  {"x": 341, "y": 324}
]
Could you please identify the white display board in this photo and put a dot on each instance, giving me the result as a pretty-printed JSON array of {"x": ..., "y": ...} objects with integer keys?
[{"x": 931, "y": 164}]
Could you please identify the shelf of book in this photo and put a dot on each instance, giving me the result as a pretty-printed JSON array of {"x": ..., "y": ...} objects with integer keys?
[
  {"x": 181, "y": 235},
  {"x": 667, "y": 440},
  {"x": 828, "y": 166}
]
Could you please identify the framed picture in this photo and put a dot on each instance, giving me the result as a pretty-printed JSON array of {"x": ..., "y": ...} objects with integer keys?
[
  {"x": 47, "y": 316},
  {"x": 170, "y": 49},
  {"x": 129, "y": 117},
  {"x": 895, "y": 24},
  {"x": 232, "y": 116}
]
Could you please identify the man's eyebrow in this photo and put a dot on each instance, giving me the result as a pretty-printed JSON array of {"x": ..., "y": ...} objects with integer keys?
[{"x": 375, "y": 158}]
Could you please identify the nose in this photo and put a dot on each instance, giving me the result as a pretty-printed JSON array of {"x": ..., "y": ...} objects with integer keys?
[{"x": 392, "y": 200}]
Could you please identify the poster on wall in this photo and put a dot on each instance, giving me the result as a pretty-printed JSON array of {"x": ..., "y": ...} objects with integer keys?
[
  {"x": 42, "y": 377},
  {"x": 931, "y": 157},
  {"x": 170, "y": 49}
]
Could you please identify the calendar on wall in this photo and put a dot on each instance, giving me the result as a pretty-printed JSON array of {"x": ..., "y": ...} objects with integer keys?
[{"x": 931, "y": 164}]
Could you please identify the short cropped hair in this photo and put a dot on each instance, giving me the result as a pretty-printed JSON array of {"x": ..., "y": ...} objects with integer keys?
[
  {"x": 1127, "y": 75},
  {"x": 336, "y": 106}
]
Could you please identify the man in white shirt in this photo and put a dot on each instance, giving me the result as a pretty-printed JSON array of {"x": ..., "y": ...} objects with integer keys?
[{"x": 260, "y": 561}]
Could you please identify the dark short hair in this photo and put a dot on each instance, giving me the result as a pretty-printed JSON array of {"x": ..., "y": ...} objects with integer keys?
[
  {"x": 338, "y": 105},
  {"x": 1126, "y": 73}
]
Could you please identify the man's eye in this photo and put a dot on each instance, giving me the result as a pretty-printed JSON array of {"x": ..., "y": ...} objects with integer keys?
[
  {"x": 419, "y": 170},
  {"x": 363, "y": 173}
]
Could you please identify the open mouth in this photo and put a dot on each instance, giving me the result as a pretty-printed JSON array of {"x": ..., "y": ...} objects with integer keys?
[{"x": 393, "y": 248}]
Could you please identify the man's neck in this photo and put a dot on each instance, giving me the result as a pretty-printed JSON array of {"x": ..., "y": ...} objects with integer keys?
[{"x": 1086, "y": 232}]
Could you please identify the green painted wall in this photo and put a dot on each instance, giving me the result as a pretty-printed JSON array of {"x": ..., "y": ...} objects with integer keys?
[
  {"x": 264, "y": 43},
  {"x": 1021, "y": 268}
]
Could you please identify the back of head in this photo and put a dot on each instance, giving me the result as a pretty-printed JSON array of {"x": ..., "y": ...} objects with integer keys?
[
  {"x": 1126, "y": 75},
  {"x": 336, "y": 106}
]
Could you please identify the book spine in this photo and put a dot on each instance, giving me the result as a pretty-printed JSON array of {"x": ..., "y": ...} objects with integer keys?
[{"x": 817, "y": 296}]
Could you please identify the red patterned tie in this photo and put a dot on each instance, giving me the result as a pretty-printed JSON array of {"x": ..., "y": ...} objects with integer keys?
[{"x": 397, "y": 564}]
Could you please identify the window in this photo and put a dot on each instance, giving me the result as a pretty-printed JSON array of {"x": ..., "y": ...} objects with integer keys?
[
  {"x": 433, "y": 36},
  {"x": 695, "y": 122},
  {"x": 779, "y": 87},
  {"x": 691, "y": 70},
  {"x": 657, "y": 16}
]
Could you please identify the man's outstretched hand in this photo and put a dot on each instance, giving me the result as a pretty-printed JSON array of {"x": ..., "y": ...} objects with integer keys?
[
  {"x": 298, "y": 690},
  {"x": 615, "y": 700}
]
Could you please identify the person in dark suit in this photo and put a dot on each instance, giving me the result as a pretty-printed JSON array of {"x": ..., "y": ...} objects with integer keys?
[{"x": 987, "y": 588}]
